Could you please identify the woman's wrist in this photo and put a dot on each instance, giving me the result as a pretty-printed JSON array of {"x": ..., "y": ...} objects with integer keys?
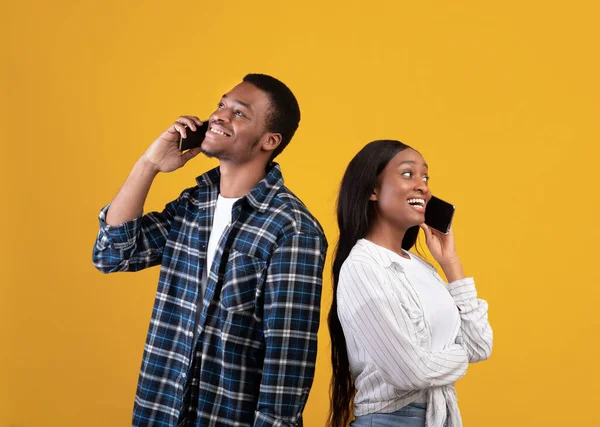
[{"x": 453, "y": 269}]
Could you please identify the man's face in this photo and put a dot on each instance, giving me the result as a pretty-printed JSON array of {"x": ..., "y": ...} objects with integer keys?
[{"x": 238, "y": 126}]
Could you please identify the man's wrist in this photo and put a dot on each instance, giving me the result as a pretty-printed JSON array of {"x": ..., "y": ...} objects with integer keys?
[{"x": 146, "y": 168}]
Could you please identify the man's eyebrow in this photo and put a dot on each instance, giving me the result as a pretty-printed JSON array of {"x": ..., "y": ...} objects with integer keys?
[{"x": 245, "y": 104}]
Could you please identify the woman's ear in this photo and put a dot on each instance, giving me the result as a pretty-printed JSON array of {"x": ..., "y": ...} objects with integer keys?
[{"x": 373, "y": 197}]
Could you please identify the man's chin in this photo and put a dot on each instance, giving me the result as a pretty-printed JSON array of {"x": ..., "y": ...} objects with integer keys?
[{"x": 210, "y": 153}]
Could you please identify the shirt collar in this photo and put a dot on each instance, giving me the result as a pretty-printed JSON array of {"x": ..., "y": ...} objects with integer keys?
[
  {"x": 387, "y": 258},
  {"x": 260, "y": 196},
  {"x": 382, "y": 256}
]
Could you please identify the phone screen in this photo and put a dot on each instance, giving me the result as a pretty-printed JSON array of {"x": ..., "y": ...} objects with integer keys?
[
  {"x": 439, "y": 214},
  {"x": 194, "y": 139}
]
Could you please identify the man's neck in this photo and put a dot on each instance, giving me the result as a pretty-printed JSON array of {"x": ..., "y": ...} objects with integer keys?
[{"x": 237, "y": 180}]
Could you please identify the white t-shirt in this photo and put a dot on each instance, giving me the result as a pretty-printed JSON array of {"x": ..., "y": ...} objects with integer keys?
[
  {"x": 221, "y": 220},
  {"x": 439, "y": 308},
  {"x": 438, "y": 305}
]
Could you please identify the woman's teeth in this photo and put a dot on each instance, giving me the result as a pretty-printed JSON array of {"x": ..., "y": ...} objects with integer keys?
[{"x": 417, "y": 202}]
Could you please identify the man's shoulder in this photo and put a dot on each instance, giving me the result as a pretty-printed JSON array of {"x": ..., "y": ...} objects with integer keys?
[
  {"x": 294, "y": 214},
  {"x": 191, "y": 195}
]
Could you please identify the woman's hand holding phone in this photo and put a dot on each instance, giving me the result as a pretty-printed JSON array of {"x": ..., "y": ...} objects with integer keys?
[{"x": 443, "y": 250}]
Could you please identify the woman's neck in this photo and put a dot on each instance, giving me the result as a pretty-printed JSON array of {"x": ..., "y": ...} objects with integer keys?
[{"x": 388, "y": 236}]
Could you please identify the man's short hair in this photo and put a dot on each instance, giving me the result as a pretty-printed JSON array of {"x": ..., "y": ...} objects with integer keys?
[{"x": 284, "y": 115}]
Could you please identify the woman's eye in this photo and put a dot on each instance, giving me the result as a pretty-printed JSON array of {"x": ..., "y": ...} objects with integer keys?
[
  {"x": 407, "y": 173},
  {"x": 426, "y": 179}
]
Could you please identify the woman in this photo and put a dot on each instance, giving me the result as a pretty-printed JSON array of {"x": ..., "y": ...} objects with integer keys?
[{"x": 401, "y": 337}]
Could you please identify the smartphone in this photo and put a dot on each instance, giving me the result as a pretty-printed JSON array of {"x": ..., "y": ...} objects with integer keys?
[
  {"x": 439, "y": 214},
  {"x": 194, "y": 139}
]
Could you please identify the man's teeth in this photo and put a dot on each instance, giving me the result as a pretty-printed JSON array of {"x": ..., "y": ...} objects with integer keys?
[
  {"x": 420, "y": 202},
  {"x": 218, "y": 132}
]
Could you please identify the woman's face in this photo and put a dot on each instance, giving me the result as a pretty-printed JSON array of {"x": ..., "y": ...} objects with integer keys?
[{"x": 402, "y": 191}]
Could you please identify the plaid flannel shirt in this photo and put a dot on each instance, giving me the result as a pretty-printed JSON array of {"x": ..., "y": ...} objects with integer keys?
[{"x": 254, "y": 357}]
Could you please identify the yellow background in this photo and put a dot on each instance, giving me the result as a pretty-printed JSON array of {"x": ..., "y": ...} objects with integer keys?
[{"x": 501, "y": 98}]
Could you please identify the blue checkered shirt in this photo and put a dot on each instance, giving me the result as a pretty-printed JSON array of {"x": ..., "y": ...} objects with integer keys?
[{"x": 253, "y": 359}]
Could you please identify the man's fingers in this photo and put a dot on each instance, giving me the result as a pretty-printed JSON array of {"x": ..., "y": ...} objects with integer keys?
[
  {"x": 180, "y": 128},
  {"x": 187, "y": 121},
  {"x": 190, "y": 154}
]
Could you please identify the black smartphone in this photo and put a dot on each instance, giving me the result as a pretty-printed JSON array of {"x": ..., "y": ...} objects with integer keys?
[
  {"x": 194, "y": 139},
  {"x": 439, "y": 214}
]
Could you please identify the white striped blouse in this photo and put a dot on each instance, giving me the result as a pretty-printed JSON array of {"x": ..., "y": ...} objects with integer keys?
[{"x": 388, "y": 337}]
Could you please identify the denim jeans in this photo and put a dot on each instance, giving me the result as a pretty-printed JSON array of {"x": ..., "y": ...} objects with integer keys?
[{"x": 412, "y": 415}]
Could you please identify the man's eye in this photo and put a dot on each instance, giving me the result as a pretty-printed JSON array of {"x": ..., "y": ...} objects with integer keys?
[
  {"x": 221, "y": 105},
  {"x": 239, "y": 113}
]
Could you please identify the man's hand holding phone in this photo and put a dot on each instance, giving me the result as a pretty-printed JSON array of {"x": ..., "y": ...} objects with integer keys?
[{"x": 164, "y": 154}]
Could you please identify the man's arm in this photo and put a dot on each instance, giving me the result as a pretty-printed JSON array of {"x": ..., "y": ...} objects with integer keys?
[
  {"x": 128, "y": 241},
  {"x": 128, "y": 204},
  {"x": 162, "y": 156},
  {"x": 133, "y": 245},
  {"x": 291, "y": 322}
]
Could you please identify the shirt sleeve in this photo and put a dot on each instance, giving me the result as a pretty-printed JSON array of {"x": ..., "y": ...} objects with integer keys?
[
  {"x": 133, "y": 245},
  {"x": 291, "y": 322},
  {"x": 379, "y": 324},
  {"x": 476, "y": 333}
]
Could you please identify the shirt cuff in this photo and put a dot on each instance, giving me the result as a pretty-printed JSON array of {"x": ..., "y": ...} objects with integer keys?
[
  {"x": 463, "y": 290},
  {"x": 122, "y": 236}
]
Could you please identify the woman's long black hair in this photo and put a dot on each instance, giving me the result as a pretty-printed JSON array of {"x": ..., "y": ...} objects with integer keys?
[{"x": 354, "y": 215}]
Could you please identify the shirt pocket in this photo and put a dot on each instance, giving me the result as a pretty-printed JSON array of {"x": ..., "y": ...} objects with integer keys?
[
  {"x": 417, "y": 318},
  {"x": 244, "y": 281},
  {"x": 409, "y": 301}
]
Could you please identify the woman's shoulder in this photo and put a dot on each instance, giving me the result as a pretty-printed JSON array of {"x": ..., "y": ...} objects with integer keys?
[
  {"x": 364, "y": 252},
  {"x": 365, "y": 258}
]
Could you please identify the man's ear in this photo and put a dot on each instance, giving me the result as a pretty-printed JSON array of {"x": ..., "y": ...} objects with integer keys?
[{"x": 271, "y": 141}]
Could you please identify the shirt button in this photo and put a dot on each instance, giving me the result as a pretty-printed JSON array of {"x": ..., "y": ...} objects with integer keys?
[{"x": 184, "y": 376}]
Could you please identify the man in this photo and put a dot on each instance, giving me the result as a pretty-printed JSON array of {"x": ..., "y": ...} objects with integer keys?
[{"x": 233, "y": 334}]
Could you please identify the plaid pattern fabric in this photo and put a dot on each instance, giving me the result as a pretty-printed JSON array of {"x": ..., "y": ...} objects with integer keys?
[{"x": 254, "y": 357}]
